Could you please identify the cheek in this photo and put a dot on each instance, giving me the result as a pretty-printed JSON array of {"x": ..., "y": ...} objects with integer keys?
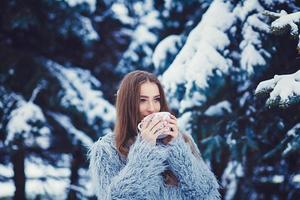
[
  {"x": 157, "y": 107},
  {"x": 142, "y": 108}
]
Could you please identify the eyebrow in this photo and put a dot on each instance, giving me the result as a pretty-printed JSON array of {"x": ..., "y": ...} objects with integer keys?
[{"x": 143, "y": 96}]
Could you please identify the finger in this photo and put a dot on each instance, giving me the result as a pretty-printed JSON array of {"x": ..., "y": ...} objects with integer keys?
[
  {"x": 173, "y": 117},
  {"x": 172, "y": 121},
  {"x": 158, "y": 119},
  {"x": 157, "y": 127},
  {"x": 153, "y": 123},
  {"x": 163, "y": 130},
  {"x": 148, "y": 121},
  {"x": 169, "y": 130},
  {"x": 158, "y": 133},
  {"x": 173, "y": 127}
]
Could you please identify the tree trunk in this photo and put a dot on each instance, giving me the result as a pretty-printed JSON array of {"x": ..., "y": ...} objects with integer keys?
[
  {"x": 76, "y": 162},
  {"x": 18, "y": 160}
]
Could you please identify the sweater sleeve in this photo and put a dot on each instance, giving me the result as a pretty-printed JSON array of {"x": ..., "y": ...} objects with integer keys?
[
  {"x": 195, "y": 178},
  {"x": 137, "y": 180}
]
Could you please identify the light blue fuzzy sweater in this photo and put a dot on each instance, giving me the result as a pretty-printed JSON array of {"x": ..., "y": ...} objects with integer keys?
[{"x": 139, "y": 175}]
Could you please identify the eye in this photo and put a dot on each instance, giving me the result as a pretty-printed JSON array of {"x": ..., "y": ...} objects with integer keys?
[
  {"x": 157, "y": 99},
  {"x": 143, "y": 100}
]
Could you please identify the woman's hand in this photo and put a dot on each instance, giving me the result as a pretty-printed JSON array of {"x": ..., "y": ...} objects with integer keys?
[
  {"x": 152, "y": 128},
  {"x": 173, "y": 131}
]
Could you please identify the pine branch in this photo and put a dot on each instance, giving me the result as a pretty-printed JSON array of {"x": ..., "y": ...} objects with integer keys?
[
  {"x": 285, "y": 23},
  {"x": 283, "y": 89}
]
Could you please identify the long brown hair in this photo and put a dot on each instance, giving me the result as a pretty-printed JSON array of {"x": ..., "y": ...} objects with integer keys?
[{"x": 128, "y": 116}]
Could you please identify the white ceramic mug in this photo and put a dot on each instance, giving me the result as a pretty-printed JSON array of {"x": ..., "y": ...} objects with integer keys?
[{"x": 161, "y": 116}]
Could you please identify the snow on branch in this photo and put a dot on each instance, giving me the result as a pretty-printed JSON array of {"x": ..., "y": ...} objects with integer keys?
[
  {"x": 143, "y": 37},
  {"x": 80, "y": 91},
  {"x": 75, "y": 134},
  {"x": 294, "y": 144},
  {"x": 22, "y": 122},
  {"x": 27, "y": 123},
  {"x": 90, "y": 3},
  {"x": 87, "y": 31},
  {"x": 200, "y": 58},
  {"x": 284, "y": 89},
  {"x": 206, "y": 59},
  {"x": 253, "y": 55},
  {"x": 80, "y": 27},
  {"x": 166, "y": 47},
  {"x": 285, "y": 23}
]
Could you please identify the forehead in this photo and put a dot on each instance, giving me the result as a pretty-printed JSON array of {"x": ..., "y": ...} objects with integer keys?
[{"x": 149, "y": 89}]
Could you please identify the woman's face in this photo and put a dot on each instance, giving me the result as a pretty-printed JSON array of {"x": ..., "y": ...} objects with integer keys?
[{"x": 149, "y": 99}]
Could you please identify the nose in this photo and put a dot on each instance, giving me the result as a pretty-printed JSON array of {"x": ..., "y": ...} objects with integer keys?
[{"x": 151, "y": 106}]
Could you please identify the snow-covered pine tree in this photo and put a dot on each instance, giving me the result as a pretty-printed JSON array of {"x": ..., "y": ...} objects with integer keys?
[
  {"x": 211, "y": 83},
  {"x": 68, "y": 104},
  {"x": 282, "y": 91},
  {"x": 211, "y": 55},
  {"x": 78, "y": 107},
  {"x": 151, "y": 22},
  {"x": 146, "y": 25},
  {"x": 25, "y": 130}
]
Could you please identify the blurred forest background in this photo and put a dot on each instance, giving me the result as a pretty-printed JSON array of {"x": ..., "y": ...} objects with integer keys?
[{"x": 230, "y": 71}]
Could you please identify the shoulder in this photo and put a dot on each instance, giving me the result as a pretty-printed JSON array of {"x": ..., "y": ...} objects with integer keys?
[
  {"x": 108, "y": 139},
  {"x": 104, "y": 145}
]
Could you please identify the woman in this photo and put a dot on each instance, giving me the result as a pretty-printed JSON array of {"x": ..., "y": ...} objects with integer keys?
[{"x": 131, "y": 165}]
